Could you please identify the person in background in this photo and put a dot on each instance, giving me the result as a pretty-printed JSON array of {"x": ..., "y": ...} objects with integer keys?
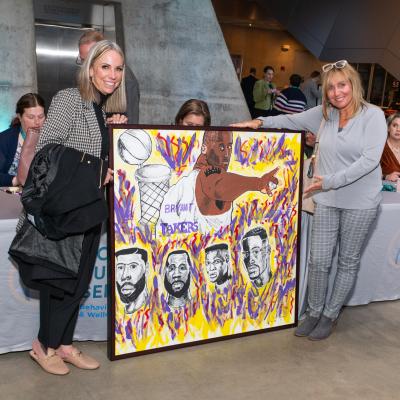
[
  {"x": 22, "y": 134},
  {"x": 290, "y": 100},
  {"x": 390, "y": 161},
  {"x": 347, "y": 188},
  {"x": 247, "y": 86},
  {"x": 193, "y": 112},
  {"x": 264, "y": 93},
  {"x": 76, "y": 119},
  {"x": 311, "y": 90},
  {"x": 86, "y": 42}
]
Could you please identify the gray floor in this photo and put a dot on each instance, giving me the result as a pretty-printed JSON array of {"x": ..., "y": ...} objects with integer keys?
[{"x": 361, "y": 360}]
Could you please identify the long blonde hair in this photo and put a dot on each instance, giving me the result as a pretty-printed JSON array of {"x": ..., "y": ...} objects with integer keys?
[
  {"x": 116, "y": 102},
  {"x": 350, "y": 74}
]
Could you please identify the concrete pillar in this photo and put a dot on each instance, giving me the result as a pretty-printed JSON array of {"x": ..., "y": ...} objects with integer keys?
[
  {"x": 17, "y": 55},
  {"x": 175, "y": 48},
  {"x": 177, "y": 51}
]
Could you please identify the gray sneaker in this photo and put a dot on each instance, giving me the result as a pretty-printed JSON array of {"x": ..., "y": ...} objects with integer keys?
[
  {"x": 306, "y": 326},
  {"x": 323, "y": 329}
]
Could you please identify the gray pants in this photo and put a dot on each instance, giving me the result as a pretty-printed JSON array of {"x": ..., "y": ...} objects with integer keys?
[{"x": 348, "y": 229}]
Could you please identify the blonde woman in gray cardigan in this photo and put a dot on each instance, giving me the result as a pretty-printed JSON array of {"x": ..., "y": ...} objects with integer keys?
[{"x": 346, "y": 188}]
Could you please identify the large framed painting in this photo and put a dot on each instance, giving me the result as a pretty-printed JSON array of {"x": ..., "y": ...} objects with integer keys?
[{"x": 204, "y": 235}]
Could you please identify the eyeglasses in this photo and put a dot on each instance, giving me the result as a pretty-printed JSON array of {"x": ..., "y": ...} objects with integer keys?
[
  {"x": 338, "y": 65},
  {"x": 78, "y": 60}
]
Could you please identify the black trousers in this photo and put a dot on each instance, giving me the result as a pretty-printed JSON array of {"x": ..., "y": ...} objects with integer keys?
[{"x": 58, "y": 316}]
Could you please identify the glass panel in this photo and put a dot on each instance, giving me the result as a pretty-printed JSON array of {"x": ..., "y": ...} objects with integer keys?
[
  {"x": 378, "y": 82},
  {"x": 364, "y": 71},
  {"x": 392, "y": 94}
]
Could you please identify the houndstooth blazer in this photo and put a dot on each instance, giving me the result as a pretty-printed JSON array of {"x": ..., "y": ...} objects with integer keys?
[{"x": 72, "y": 122}]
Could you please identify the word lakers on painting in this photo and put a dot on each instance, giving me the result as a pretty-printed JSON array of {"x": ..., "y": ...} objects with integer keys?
[{"x": 204, "y": 235}]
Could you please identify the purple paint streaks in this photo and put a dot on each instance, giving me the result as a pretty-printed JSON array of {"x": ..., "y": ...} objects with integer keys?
[
  {"x": 239, "y": 300},
  {"x": 176, "y": 151}
]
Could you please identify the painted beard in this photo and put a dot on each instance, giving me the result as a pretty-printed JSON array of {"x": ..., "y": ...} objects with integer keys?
[
  {"x": 138, "y": 288},
  {"x": 223, "y": 278},
  {"x": 254, "y": 268},
  {"x": 176, "y": 293}
]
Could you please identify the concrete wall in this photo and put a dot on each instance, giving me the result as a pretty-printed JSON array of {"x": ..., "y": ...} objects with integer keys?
[
  {"x": 17, "y": 55},
  {"x": 175, "y": 48},
  {"x": 177, "y": 51}
]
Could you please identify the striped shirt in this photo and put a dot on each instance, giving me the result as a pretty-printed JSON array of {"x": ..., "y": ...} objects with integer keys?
[{"x": 290, "y": 101}]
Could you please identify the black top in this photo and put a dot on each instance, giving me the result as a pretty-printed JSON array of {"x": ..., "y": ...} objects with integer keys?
[{"x": 105, "y": 143}]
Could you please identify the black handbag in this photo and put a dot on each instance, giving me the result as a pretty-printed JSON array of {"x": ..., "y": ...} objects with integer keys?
[{"x": 63, "y": 194}]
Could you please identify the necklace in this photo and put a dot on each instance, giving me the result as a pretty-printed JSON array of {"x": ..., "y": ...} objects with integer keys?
[{"x": 394, "y": 148}]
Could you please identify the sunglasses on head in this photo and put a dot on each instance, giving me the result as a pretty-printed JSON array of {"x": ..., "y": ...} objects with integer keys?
[{"x": 338, "y": 65}]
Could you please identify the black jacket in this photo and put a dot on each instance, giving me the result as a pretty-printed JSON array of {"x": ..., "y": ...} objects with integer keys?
[
  {"x": 63, "y": 194},
  {"x": 64, "y": 199}
]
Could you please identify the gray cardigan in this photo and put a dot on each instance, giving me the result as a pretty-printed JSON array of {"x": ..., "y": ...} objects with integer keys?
[{"x": 348, "y": 161}]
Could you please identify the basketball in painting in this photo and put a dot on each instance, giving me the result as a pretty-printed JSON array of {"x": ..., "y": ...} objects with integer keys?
[{"x": 134, "y": 146}]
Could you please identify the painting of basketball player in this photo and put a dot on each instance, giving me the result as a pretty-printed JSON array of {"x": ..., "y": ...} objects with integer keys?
[
  {"x": 256, "y": 253},
  {"x": 130, "y": 270},
  {"x": 218, "y": 264},
  {"x": 177, "y": 278},
  {"x": 202, "y": 200}
]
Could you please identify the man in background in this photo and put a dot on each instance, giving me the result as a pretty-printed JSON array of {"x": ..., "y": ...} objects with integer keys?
[
  {"x": 290, "y": 100},
  {"x": 247, "y": 85},
  {"x": 264, "y": 93},
  {"x": 86, "y": 42},
  {"x": 311, "y": 91}
]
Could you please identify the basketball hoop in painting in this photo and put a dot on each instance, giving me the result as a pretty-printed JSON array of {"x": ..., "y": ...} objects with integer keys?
[{"x": 153, "y": 181}]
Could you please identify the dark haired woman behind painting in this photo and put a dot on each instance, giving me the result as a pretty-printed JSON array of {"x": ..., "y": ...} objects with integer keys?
[{"x": 193, "y": 112}]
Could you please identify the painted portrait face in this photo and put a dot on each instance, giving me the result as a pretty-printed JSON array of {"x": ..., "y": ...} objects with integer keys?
[
  {"x": 218, "y": 149},
  {"x": 256, "y": 257},
  {"x": 106, "y": 72},
  {"x": 339, "y": 91},
  {"x": 394, "y": 129},
  {"x": 192, "y": 120},
  {"x": 217, "y": 262},
  {"x": 130, "y": 276},
  {"x": 177, "y": 274}
]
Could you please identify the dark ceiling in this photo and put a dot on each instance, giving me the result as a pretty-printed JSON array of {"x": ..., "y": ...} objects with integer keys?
[{"x": 361, "y": 31}]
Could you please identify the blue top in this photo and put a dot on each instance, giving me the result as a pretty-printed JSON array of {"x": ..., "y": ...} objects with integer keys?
[{"x": 8, "y": 147}]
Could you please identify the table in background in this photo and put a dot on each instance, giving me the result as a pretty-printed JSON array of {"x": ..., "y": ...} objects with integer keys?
[
  {"x": 378, "y": 279},
  {"x": 19, "y": 306},
  {"x": 379, "y": 275}
]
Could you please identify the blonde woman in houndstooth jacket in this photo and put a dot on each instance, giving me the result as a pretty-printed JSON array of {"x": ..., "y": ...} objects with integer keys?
[{"x": 77, "y": 119}]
